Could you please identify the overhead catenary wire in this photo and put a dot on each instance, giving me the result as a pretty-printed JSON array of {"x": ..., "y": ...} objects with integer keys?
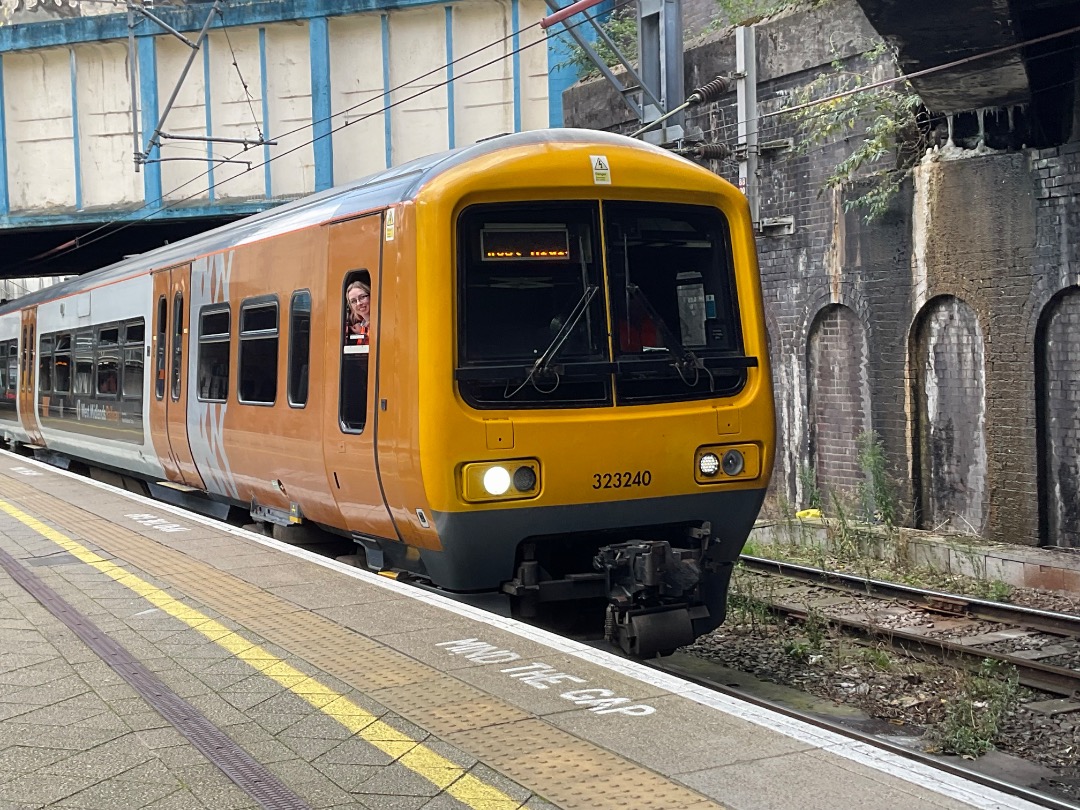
[
  {"x": 122, "y": 223},
  {"x": 247, "y": 92},
  {"x": 791, "y": 155},
  {"x": 906, "y": 77},
  {"x": 154, "y": 209}
]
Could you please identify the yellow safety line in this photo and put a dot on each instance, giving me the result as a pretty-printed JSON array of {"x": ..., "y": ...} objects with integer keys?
[{"x": 418, "y": 758}]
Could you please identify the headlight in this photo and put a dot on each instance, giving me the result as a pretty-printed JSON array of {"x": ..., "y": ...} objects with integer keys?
[
  {"x": 500, "y": 480},
  {"x": 719, "y": 464},
  {"x": 708, "y": 464},
  {"x": 496, "y": 481}
]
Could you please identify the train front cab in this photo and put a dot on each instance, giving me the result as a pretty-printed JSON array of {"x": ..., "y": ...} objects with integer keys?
[{"x": 602, "y": 424}]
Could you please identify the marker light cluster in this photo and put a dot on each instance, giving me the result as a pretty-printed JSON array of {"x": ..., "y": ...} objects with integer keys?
[
  {"x": 713, "y": 465},
  {"x": 500, "y": 481}
]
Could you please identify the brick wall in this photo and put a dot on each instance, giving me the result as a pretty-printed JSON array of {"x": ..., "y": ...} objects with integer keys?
[
  {"x": 1060, "y": 424},
  {"x": 839, "y": 397},
  {"x": 951, "y": 413},
  {"x": 949, "y": 288}
]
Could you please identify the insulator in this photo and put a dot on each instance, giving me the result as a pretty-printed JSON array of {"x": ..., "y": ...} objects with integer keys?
[
  {"x": 711, "y": 91},
  {"x": 708, "y": 151}
]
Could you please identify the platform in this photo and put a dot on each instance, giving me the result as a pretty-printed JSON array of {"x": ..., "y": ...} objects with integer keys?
[{"x": 153, "y": 659}]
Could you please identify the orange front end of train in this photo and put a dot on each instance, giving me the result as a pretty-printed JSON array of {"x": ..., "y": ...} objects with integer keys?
[{"x": 534, "y": 366}]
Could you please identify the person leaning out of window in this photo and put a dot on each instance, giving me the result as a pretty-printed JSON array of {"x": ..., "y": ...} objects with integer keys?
[{"x": 358, "y": 298}]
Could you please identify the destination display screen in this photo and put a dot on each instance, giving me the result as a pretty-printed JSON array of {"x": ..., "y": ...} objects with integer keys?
[{"x": 524, "y": 243}]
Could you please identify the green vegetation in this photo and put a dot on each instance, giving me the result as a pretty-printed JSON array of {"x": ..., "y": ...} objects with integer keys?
[
  {"x": 973, "y": 716},
  {"x": 746, "y": 605},
  {"x": 876, "y": 494},
  {"x": 811, "y": 493},
  {"x": 746, "y": 12},
  {"x": 881, "y": 125},
  {"x": 620, "y": 26},
  {"x": 861, "y": 536},
  {"x": 878, "y": 658}
]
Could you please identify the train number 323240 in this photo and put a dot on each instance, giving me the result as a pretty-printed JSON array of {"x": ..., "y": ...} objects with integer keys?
[{"x": 621, "y": 480}]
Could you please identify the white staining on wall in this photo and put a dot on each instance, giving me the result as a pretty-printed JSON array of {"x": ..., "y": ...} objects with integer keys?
[{"x": 950, "y": 433}]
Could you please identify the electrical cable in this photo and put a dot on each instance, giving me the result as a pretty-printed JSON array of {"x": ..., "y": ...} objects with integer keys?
[
  {"x": 918, "y": 74},
  {"x": 247, "y": 92},
  {"x": 83, "y": 240},
  {"x": 126, "y": 221},
  {"x": 932, "y": 117}
]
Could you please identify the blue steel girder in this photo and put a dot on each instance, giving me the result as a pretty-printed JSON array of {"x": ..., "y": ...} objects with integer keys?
[
  {"x": 33, "y": 34},
  {"x": 54, "y": 33}
]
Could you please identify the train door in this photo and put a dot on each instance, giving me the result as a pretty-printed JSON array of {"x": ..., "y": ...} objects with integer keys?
[
  {"x": 350, "y": 417},
  {"x": 168, "y": 395},
  {"x": 27, "y": 365}
]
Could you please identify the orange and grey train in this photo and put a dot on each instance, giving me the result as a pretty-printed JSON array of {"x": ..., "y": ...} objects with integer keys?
[{"x": 564, "y": 393}]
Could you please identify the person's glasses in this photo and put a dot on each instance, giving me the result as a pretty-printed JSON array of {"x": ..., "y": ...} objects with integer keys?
[{"x": 357, "y": 299}]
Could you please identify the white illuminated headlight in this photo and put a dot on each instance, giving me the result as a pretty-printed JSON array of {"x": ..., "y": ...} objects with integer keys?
[
  {"x": 734, "y": 463},
  {"x": 709, "y": 464},
  {"x": 497, "y": 481}
]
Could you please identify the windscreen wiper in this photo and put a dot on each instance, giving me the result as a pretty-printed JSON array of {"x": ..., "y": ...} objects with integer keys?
[
  {"x": 685, "y": 360},
  {"x": 542, "y": 365}
]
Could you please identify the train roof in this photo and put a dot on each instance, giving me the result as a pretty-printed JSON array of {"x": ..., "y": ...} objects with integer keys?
[{"x": 377, "y": 190}]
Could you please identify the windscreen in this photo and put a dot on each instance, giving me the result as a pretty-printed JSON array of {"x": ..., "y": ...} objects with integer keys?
[
  {"x": 541, "y": 323},
  {"x": 673, "y": 295},
  {"x": 531, "y": 300}
]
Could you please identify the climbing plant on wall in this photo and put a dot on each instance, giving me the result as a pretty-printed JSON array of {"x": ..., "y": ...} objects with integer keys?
[{"x": 880, "y": 124}]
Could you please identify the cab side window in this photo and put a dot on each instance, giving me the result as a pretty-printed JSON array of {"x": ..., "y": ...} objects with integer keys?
[{"x": 355, "y": 353}]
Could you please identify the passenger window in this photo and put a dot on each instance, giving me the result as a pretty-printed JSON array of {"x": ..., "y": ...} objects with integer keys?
[
  {"x": 178, "y": 344},
  {"x": 108, "y": 362},
  {"x": 214, "y": 326},
  {"x": 45, "y": 364},
  {"x": 134, "y": 348},
  {"x": 258, "y": 352},
  {"x": 159, "y": 371},
  {"x": 84, "y": 362},
  {"x": 299, "y": 347},
  {"x": 354, "y": 355},
  {"x": 13, "y": 367},
  {"x": 62, "y": 366}
]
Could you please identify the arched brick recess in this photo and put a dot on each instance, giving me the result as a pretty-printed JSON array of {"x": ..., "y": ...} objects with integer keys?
[
  {"x": 950, "y": 400},
  {"x": 1058, "y": 368},
  {"x": 839, "y": 399}
]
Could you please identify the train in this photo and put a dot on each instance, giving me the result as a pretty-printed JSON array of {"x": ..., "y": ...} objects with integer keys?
[{"x": 563, "y": 393}]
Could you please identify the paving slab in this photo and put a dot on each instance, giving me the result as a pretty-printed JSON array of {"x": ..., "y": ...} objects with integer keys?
[{"x": 355, "y": 691}]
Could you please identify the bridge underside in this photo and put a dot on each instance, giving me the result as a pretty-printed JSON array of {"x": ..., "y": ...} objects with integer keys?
[
  {"x": 54, "y": 251},
  {"x": 1039, "y": 77}
]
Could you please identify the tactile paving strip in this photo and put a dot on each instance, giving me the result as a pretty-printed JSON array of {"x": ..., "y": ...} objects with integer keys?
[
  {"x": 575, "y": 773},
  {"x": 567, "y": 770},
  {"x": 248, "y": 774},
  {"x": 449, "y": 705}
]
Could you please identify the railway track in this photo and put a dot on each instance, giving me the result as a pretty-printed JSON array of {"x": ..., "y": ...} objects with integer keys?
[
  {"x": 700, "y": 673},
  {"x": 1043, "y": 646},
  {"x": 950, "y": 765}
]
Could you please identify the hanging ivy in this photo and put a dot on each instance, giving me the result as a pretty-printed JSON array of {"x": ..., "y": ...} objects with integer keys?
[{"x": 881, "y": 125}]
